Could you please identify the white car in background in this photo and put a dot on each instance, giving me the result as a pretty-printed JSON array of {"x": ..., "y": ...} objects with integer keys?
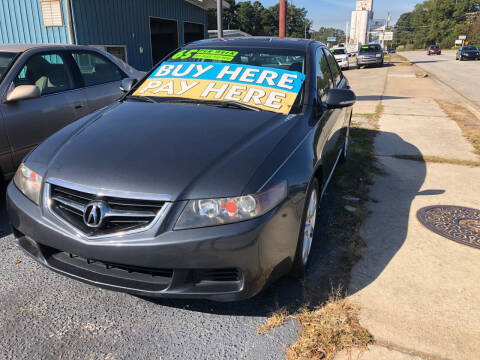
[{"x": 341, "y": 55}]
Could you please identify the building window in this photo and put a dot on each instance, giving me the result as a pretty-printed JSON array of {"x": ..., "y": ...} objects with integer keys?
[
  {"x": 119, "y": 51},
  {"x": 52, "y": 12}
]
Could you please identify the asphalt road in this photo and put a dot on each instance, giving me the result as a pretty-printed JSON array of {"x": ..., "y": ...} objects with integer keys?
[
  {"x": 462, "y": 76},
  {"x": 44, "y": 315}
]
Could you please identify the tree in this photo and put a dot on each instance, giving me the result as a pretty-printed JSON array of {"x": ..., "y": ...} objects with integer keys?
[
  {"x": 255, "y": 19},
  {"x": 437, "y": 22},
  {"x": 323, "y": 33}
]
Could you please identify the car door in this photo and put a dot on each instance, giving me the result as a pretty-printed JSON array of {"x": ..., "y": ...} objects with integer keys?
[
  {"x": 101, "y": 78},
  {"x": 324, "y": 82},
  {"x": 28, "y": 122},
  {"x": 5, "y": 153},
  {"x": 337, "y": 125}
]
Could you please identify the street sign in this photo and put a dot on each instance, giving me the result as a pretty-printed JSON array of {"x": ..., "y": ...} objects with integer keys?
[
  {"x": 377, "y": 25},
  {"x": 462, "y": 37},
  {"x": 331, "y": 38},
  {"x": 388, "y": 36},
  {"x": 458, "y": 42}
]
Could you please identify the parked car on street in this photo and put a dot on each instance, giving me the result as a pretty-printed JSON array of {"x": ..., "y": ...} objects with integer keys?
[
  {"x": 45, "y": 87},
  {"x": 371, "y": 54},
  {"x": 468, "y": 52},
  {"x": 341, "y": 56},
  {"x": 434, "y": 50},
  {"x": 204, "y": 181}
]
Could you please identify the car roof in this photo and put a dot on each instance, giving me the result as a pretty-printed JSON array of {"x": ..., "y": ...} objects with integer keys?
[
  {"x": 24, "y": 47},
  {"x": 257, "y": 41}
]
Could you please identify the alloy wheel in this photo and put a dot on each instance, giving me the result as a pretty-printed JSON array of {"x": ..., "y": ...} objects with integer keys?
[{"x": 309, "y": 228}]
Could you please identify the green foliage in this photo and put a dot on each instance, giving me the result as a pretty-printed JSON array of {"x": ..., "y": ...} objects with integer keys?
[
  {"x": 438, "y": 22},
  {"x": 323, "y": 33},
  {"x": 257, "y": 20}
]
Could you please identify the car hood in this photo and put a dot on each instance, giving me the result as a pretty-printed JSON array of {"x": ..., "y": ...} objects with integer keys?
[{"x": 183, "y": 151}]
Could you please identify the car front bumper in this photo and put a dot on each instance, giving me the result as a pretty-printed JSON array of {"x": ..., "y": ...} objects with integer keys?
[
  {"x": 470, "y": 57},
  {"x": 344, "y": 64},
  {"x": 222, "y": 263}
]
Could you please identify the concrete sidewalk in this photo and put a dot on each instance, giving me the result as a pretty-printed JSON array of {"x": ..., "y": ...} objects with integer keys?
[{"x": 418, "y": 291}]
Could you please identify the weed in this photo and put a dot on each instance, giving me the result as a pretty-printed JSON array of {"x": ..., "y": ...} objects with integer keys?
[
  {"x": 275, "y": 319},
  {"x": 331, "y": 328}
]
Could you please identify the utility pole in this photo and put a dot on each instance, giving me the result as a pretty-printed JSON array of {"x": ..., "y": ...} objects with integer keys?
[
  {"x": 282, "y": 23},
  {"x": 220, "y": 19},
  {"x": 385, "y": 29},
  {"x": 346, "y": 34}
]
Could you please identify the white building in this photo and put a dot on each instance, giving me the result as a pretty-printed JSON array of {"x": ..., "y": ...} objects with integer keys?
[{"x": 361, "y": 18}]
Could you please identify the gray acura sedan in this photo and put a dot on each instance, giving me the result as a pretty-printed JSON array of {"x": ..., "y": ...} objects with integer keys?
[{"x": 204, "y": 181}]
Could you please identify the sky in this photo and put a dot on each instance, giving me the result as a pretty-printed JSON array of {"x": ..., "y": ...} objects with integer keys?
[{"x": 335, "y": 13}]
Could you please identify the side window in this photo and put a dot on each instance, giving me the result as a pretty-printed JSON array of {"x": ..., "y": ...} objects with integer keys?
[
  {"x": 324, "y": 77},
  {"x": 337, "y": 74},
  {"x": 96, "y": 69},
  {"x": 48, "y": 72}
]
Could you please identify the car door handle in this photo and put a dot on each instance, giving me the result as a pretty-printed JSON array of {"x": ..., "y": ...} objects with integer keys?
[{"x": 79, "y": 106}]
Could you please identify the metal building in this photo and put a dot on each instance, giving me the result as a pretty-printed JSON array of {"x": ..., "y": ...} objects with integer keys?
[{"x": 140, "y": 32}]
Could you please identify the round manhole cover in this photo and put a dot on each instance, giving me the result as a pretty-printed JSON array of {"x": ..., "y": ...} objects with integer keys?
[{"x": 456, "y": 223}]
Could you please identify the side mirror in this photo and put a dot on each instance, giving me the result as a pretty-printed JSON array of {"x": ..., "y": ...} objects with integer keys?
[
  {"x": 340, "y": 98},
  {"x": 23, "y": 92},
  {"x": 127, "y": 84}
]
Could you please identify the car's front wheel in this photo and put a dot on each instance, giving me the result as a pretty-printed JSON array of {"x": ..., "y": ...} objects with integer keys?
[{"x": 307, "y": 232}]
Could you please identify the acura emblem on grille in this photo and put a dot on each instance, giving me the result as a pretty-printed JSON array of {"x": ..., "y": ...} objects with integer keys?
[{"x": 94, "y": 213}]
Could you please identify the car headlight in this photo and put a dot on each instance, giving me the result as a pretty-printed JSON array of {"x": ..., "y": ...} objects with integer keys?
[
  {"x": 378, "y": 55},
  {"x": 211, "y": 212},
  {"x": 28, "y": 182}
]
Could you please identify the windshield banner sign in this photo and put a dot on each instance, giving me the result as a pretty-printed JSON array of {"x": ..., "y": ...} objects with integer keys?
[{"x": 262, "y": 87}]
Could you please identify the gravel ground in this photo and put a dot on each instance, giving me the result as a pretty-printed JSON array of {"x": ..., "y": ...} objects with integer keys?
[{"x": 47, "y": 316}]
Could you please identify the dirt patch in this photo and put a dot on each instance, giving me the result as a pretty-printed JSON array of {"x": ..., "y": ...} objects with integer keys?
[
  {"x": 468, "y": 122},
  {"x": 437, "y": 159}
]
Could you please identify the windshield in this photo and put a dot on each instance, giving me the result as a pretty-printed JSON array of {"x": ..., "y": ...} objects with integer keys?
[
  {"x": 263, "y": 78},
  {"x": 369, "y": 49},
  {"x": 434, "y": 47},
  {"x": 338, "y": 51},
  {"x": 470, "y": 48},
  {"x": 5, "y": 61}
]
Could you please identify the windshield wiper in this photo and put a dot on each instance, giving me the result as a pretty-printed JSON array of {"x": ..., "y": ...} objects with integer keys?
[
  {"x": 231, "y": 104},
  {"x": 222, "y": 104},
  {"x": 141, "y": 98}
]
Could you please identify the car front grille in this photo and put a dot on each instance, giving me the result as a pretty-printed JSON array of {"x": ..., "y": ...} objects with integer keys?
[{"x": 121, "y": 214}]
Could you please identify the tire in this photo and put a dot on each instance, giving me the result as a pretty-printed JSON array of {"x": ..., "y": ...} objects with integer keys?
[{"x": 304, "y": 244}]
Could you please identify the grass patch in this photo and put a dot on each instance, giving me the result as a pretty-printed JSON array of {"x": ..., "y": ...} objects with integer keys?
[
  {"x": 468, "y": 122},
  {"x": 398, "y": 60},
  {"x": 437, "y": 159},
  {"x": 274, "y": 320},
  {"x": 332, "y": 328}
]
